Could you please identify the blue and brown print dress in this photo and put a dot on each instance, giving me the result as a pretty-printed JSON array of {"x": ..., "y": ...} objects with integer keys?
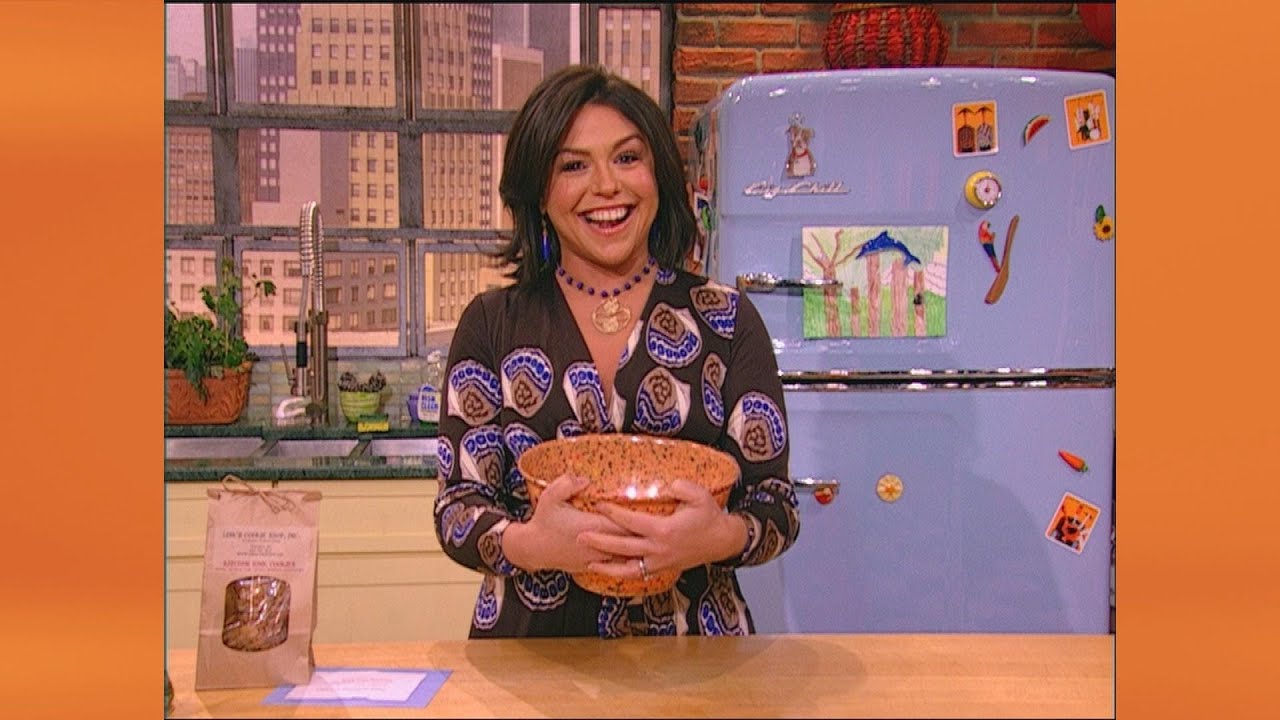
[{"x": 699, "y": 365}]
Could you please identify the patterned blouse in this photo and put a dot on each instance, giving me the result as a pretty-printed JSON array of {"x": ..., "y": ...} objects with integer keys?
[{"x": 699, "y": 365}]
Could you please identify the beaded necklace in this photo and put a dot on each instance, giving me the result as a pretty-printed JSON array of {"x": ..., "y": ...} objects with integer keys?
[{"x": 609, "y": 316}]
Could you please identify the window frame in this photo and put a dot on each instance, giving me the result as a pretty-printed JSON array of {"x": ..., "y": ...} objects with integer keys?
[{"x": 225, "y": 116}]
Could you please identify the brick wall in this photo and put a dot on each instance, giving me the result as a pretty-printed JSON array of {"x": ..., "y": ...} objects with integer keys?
[{"x": 717, "y": 43}]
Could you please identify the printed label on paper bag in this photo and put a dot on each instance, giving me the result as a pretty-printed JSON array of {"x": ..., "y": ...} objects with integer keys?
[{"x": 260, "y": 549}]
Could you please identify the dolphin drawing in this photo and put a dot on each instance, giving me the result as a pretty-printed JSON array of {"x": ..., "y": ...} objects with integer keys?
[{"x": 884, "y": 243}]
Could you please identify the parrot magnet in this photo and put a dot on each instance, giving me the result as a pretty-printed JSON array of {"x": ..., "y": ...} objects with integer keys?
[
  {"x": 1002, "y": 267},
  {"x": 987, "y": 239}
]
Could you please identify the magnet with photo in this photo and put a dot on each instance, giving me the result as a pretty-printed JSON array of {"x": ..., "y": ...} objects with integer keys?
[
  {"x": 1072, "y": 523},
  {"x": 1088, "y": 121},
  {"x": 974, "y": 128}
]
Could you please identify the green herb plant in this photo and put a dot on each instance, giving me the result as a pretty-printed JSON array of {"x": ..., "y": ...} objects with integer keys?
[{"x": 202, "y": 347}]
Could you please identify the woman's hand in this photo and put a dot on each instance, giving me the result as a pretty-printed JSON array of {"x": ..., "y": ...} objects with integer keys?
[
  {"x": 697, "y": 533},
  {"x": 549, "y": 539}
]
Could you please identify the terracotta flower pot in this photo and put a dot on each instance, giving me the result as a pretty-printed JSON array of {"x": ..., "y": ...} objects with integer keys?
[{"x": 225, "y": 401}]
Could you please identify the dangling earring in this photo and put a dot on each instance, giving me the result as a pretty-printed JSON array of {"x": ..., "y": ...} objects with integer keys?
[{"x": 546, "y": 244}]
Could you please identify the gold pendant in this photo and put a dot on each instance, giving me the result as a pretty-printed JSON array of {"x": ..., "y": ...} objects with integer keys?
[{"x": 610, "y": 316}]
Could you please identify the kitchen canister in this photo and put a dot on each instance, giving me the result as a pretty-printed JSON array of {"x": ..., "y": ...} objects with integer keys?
[{"x": 424, "y": 404}]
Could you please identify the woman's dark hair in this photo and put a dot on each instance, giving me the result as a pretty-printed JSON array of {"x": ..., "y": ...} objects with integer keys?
[{"x": 534, "y": 142}]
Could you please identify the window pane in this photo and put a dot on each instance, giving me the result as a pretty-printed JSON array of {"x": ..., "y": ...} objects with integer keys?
[
  {"x": 189, "y": 191},
  {"x": 185, "y": 273},
  {"x": 185, "y": 73},
  {"x": 460, "y": 174},
  {"x": 364, "y": 305},
  {"x": 629, "y": 47},
  {"x": 444, "y": 298},
  {"x": 325, "y": 166},
  {"x": 269, "y": 68},
  {"x": 491, "y": 55}
]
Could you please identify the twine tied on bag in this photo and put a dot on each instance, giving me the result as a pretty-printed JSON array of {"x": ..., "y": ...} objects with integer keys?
[{"x": 274, "y": 500}]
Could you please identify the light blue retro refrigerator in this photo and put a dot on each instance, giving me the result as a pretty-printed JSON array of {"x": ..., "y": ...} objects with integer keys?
[{"x": 933, "y": 252}]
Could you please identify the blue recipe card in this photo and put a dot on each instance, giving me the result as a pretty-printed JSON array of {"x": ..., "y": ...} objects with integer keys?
[{"x": 363, "y": 687}]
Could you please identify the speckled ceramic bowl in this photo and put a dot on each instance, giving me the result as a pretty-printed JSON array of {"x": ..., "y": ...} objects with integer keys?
[{"x": 635, "y": 472}]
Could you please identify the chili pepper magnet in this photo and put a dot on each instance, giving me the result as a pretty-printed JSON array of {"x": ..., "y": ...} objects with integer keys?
[
  {"x": 1104, "y": 228},
  {"x": 1077, "y": 463}
]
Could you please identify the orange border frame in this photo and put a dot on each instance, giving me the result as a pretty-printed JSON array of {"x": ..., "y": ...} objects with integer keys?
[{"x": 83, "y": 140}]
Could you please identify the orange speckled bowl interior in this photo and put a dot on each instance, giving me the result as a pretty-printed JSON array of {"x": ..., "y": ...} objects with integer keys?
[{"x": 635, "y": 472}]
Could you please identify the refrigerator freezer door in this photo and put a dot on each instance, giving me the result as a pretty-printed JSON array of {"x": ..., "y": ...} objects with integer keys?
[
  {"x": 965, "y": 548},
  {"x": 883, "y": 143}
]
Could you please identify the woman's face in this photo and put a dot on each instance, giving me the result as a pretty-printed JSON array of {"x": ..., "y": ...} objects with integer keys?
[{"x": 602, "y": 197}]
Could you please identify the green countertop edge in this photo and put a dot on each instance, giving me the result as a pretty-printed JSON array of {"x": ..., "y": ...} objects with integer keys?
[
  {"x": 269, "y": 432},
  {"x": 332, "y": 469},
  {"x": 275, "y": 468}
]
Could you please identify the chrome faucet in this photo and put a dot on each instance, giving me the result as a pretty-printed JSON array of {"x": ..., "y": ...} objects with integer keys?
[{"x": 311, "y": 375}]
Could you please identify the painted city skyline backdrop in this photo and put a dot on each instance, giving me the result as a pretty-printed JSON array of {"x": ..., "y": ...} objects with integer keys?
[{"x": 473, "y": 56}]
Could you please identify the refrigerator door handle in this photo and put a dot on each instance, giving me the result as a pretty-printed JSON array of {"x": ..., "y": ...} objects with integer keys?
[
  {"x": 764, "y": 282},
  {"x": 920, "y": 379},
  {"x": 816, "y": 485}
]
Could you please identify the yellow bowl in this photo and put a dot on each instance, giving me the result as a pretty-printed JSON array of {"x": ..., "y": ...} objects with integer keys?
[
  {"x": 356, "y": 405},
  {"x": 635, "y": 472}
]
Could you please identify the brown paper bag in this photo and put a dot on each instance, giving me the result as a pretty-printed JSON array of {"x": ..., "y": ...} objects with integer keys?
[{"x": 258, "y": 598}]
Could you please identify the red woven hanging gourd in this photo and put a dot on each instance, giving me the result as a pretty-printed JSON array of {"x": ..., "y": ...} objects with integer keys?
[{"x": 873, "y": 35}]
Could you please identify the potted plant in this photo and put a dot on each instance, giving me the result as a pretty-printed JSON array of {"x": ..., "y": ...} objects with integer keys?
[
  {"x": 207, "y": 361},
  {"x": 359, "y": 399}
]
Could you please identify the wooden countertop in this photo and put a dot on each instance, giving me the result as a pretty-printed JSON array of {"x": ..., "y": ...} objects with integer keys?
[{"x": 760, "y": 676}]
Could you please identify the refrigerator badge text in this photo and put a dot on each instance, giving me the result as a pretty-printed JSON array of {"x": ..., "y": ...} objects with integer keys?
[
  {"x": 800, "y": 164},
  {"x": 974, "y": 129},
  {"x": 1072, "y": 522},
  {"x": 1088, "y": 122}
]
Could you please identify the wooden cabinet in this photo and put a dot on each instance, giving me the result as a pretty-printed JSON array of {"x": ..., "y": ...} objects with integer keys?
[{"x": 381, "y": 576}]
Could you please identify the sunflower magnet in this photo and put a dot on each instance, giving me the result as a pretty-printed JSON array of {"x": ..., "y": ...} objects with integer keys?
[{"x": 1104, "y": 228}]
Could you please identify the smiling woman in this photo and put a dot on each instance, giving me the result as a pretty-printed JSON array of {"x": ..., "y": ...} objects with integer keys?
[
  {"x": 602, "y": 197},
  {"x": 604, "y": 333}
]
